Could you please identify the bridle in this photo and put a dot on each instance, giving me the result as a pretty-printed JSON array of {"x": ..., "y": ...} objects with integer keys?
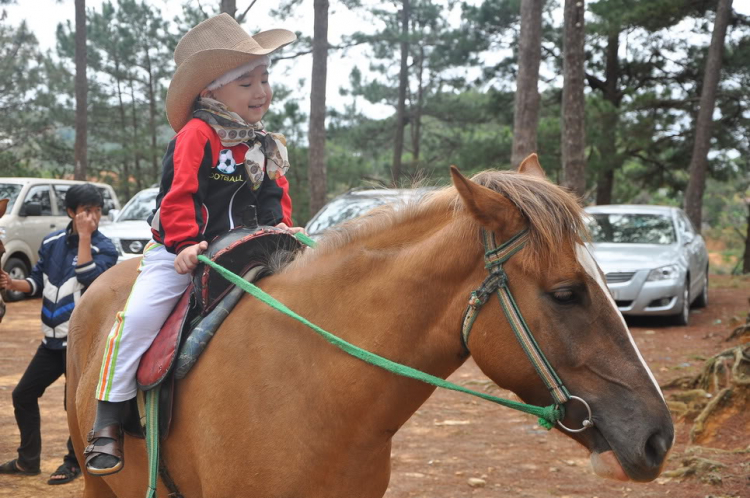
[{"x": 497, "y": 282}]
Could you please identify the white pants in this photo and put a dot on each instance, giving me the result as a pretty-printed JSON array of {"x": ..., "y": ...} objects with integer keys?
[{"x": 155, "y": 293}]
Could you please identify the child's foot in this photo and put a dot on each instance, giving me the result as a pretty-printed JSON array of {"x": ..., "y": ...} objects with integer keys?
[
  {"x": 64, "y": 473},
  {"x": 104, "y": 454},
  {"x": 13, "y": 468}
]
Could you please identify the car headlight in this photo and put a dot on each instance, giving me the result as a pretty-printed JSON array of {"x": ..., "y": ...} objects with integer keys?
[
  {"x": 669, "y": 272},
  {"x": 117, "y": 245}
]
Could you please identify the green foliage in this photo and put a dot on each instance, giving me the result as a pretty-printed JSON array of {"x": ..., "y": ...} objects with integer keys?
[
  {"x": 23, "y": 101},
  {"x": 460, "y": 111}
]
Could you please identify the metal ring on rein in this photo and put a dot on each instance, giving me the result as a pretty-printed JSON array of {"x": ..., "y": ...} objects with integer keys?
[{"x": 586, "y": 422}]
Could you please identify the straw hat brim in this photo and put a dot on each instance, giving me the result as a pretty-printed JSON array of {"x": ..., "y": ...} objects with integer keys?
[{"x": 203, "y": 67}]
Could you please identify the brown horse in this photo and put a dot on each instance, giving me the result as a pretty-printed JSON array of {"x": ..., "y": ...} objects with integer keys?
[{"x": 272, "y": 410}]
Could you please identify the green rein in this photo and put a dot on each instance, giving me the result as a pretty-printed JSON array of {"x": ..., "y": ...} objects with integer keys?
[{"x": 548, "y": 415}]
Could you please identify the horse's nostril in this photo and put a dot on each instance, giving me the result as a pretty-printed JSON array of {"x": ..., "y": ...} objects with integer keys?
[{"x": 657, "y": 447}]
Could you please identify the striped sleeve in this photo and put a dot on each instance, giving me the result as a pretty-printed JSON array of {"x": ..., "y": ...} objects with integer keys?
[{"x": 104, "y": 256}]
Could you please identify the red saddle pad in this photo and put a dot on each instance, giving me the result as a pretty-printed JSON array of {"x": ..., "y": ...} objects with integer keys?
[{"x": 160, "y": 356}]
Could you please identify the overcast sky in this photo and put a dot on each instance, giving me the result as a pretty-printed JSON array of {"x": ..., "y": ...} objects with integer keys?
[
  {"x": 44, "y": 28},
  {"x": 341, "y": 22}
]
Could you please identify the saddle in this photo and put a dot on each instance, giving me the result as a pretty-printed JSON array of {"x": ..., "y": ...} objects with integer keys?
[{"x": 252, "y": 252}]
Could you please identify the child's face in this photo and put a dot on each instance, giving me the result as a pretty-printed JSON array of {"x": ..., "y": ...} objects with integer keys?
[
  {"x": 91, "y": 214},
  {"x": 249, "y": 96}
]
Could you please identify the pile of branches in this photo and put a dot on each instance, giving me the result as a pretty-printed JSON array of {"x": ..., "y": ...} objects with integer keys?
[{"x": 723, "y": 384}]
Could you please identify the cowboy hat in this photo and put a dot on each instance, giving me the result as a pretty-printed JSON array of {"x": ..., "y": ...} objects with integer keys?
[{"x": 209, "y": 50}]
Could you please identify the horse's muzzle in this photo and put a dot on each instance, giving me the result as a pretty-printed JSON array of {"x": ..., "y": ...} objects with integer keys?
[{"x": 639, "y": 461}]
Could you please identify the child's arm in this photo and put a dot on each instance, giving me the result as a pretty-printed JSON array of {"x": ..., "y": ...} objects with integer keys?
[
  {"x": 13, "y": 285},
  {"x": 286, "y": 201},
  {"x": 273, "y": 203},
  {"x": 187, "y": 165},
  {"x": 101, "y": 260},
  {"x": 34, "y": 283}
]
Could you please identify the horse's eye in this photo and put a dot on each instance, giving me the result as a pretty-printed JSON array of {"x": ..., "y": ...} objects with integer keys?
[{"x": 564, "y": 296}]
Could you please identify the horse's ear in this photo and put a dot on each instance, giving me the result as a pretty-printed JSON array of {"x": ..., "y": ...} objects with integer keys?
[
  {"x": 531, "y": 166},
  {"x": 3, "y": 206},
  {"x": 491, "y": 209}
]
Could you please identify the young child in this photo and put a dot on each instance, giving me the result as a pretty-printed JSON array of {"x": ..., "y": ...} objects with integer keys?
[
  {"x": 220, "y": 160},
  {"x": 69, "y": 262}
]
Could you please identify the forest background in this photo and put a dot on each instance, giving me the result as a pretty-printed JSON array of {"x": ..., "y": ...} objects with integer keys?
[{"x": 430, "y": 83}]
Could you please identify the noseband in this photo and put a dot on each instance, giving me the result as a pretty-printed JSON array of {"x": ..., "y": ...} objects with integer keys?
[{"x": 497, "y": 282}]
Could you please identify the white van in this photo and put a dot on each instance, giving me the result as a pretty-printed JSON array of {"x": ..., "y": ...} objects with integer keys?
[{"x": 36, "y": 208}]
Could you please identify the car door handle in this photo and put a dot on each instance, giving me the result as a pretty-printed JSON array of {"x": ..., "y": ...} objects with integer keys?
[{"x": 52, "y": 225}]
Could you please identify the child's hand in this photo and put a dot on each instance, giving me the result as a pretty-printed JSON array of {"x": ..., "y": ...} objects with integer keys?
[
  {"x": 187, "y": 260},
  {"x": 4, "y": 280},
  {"x": 291, "y": 229},
  {"x": 86, "y": 223}
]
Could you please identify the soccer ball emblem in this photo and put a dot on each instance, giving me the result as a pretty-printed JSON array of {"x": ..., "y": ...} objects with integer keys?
[{"x": 226, "y": 162}]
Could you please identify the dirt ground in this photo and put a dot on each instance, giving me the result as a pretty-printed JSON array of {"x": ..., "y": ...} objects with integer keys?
[{"x": 454, "y": 438}]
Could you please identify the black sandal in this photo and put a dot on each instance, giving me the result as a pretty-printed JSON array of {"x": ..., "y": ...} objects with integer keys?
[
  {"x": 68, "y": 471},
  {"x": 13, "y": 469},
  {"x": 112, "y": 448}
]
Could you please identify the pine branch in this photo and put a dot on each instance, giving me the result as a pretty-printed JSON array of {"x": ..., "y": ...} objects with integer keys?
[{"x": 241, "y": 17}]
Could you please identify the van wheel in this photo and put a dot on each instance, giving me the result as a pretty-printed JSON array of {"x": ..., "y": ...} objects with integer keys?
[{"x": 18, "y": 271}]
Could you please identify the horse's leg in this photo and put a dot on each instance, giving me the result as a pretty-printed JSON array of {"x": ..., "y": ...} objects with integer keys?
[{"x": 94, "y": 487}]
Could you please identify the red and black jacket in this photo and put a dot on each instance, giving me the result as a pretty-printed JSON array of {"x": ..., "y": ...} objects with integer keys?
[{"x": 201, "y": 197}]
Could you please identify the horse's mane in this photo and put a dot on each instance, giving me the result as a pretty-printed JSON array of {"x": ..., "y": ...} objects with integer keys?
[{"x": 554, "y": 216}]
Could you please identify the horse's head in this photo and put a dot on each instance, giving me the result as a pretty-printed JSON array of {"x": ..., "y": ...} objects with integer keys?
[{"x": 562, "y": 296}]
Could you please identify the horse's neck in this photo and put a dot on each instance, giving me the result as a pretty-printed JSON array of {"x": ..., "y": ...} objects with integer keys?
[{"x": 397, "y": 295}]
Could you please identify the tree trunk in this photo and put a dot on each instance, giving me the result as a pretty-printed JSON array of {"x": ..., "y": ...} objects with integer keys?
[
  {"x": 123, "y": 127},
  {"x": 152, "y": 119},
  {"x": 746, "y": 256},
  {"x": 81, "y": 88},
  {"x": 136, "y": 147},
  {"x": 403, "y": 79},
  {"x": 228, "y": 6},
  {"x": 317, "y": 135},
  {"x": 416, "y": 121},
  {"x": 526, "y": 109},
  {"x": 699, "y": 160},
  {"x": 611, "y": 160},
  {"x": 573, "y": 105}
]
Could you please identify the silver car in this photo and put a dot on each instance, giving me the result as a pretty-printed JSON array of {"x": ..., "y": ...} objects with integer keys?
[
  {"x": 129, "y": 230},
  {"x": 357, "y": 202},
  {"x": 654, "y": 260}
]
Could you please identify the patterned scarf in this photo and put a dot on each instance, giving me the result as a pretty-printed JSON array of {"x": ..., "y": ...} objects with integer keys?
[
  {"x": 265, "y": 148},
  {"x": 230, "y": 127}
]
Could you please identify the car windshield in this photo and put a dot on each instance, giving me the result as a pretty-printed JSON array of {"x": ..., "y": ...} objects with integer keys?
[
  {"x": 343, "y": 209},
  {"x": 630, "y": 228},
  {"x": 10, "y": 191},
  {"x": 140, "y": 207}
]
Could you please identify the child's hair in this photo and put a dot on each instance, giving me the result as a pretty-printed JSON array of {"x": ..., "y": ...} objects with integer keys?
[{"x": 83, "y": 195}]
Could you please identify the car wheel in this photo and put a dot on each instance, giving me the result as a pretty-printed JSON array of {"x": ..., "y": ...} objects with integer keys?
[
  {"x": 18, "y": 271},
  {"x": 702, "y": 300},
  {"x": 683, "y": 317}
]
